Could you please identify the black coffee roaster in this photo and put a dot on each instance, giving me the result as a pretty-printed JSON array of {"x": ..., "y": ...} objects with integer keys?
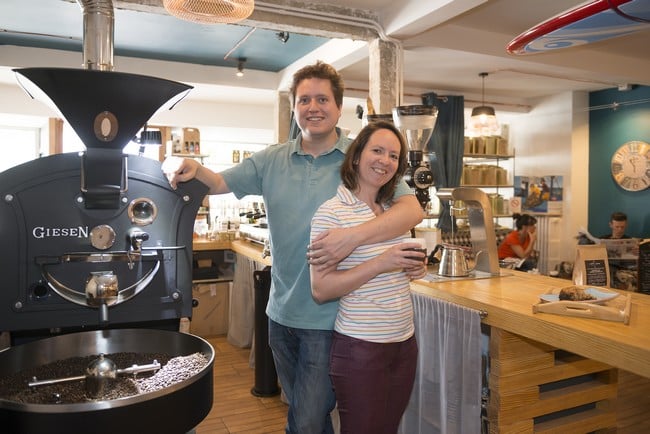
[{"x": 96, "y": 249}]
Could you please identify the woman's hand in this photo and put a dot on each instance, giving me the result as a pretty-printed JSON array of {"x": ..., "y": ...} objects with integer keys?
[
  {"x": 328, "y": 283},
  {"x": 417, "y": 272},
  {"x": 400, "y": 256}
]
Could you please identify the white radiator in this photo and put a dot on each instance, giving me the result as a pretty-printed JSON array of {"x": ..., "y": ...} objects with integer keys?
[{"x": 548, "y": 242}]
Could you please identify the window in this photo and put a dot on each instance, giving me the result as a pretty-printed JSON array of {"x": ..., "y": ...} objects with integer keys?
[
  {"x": 72, "y": 143},
  {"x": 18, "y": 145}
]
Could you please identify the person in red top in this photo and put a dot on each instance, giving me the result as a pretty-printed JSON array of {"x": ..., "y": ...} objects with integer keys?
[{"x": 520, "y": 243}]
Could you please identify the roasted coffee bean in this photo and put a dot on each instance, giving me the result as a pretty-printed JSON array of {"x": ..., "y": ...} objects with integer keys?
[{"x": 174, "y": 370}]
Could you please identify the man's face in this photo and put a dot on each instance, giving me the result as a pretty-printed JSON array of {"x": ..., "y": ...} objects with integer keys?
[
  {"x": 315, "y": 108},
  {"x": 618, "y": 228}
]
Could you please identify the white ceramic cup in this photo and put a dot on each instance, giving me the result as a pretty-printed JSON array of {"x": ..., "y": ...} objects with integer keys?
[
  {"x": 430, "y": 235},
  {"x": 420, "y": 241}
]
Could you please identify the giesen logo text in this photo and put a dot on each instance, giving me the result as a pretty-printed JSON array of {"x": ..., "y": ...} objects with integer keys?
[{"x": 43, "y": 232}]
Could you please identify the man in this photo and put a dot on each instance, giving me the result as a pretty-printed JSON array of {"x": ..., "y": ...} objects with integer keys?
[
  {"x": 618, "y": 225},
  {"x": 295, "y": 178}
]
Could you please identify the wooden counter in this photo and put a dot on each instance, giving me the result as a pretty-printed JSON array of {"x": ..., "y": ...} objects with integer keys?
[
  {"x": 244, "y": 247},
  {"x": 251, "y": 250},
  {"x": 508, "y": 302},
  {"x": 202, "y": 244},
  {"x": 576, "y": 357}
]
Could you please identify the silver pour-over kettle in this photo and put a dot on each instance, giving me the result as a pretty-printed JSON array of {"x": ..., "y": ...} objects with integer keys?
[{"x": 453, "y": 262}]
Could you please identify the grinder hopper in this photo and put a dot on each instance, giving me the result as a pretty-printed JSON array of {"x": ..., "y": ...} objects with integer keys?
[{"x": 416, "y": 122}]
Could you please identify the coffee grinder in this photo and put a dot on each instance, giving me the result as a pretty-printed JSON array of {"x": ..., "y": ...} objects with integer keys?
[{"x": 416, "y": 122}]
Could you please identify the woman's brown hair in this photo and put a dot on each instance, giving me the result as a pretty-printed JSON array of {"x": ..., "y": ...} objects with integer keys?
[{"x": 522, "y": 220}]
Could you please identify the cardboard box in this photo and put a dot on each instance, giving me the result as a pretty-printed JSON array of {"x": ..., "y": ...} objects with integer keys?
[
  {"x": 210, "y": 316},
  {"x": 191, "y": 135}
]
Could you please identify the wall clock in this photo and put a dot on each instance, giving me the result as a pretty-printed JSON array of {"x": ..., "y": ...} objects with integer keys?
[{"x": 631, "y": 166}]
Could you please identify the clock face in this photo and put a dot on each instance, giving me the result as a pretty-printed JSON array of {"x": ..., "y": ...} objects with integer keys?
[{"x": 631, "y": 166}]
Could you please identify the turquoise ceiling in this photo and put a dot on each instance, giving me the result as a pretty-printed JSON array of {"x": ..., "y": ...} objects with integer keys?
[{"x": 58, "y": 24}]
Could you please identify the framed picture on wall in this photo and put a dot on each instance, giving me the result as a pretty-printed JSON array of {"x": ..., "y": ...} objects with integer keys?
[{"x": 540, "y": 194}]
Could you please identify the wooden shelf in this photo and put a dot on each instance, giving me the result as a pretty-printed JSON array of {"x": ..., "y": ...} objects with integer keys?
[
  {"x": 190, "y": 155},
  {"x": 488, "y": 156},
  {"x": 488, "y": 186}
]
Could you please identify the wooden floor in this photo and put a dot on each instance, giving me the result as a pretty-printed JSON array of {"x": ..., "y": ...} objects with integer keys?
[{"x": 235, "y": 410}]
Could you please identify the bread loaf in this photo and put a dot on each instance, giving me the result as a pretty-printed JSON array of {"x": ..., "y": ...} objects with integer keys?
[{"x": 574, "y": 293}]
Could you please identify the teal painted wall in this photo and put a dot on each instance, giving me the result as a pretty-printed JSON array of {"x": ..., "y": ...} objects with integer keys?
[{"x": 609, "y": 129}]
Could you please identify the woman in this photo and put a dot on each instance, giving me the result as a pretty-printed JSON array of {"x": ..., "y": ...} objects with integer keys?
[
  {"x": 374, "y": 352},
  {"x": 520, "y": 243}
]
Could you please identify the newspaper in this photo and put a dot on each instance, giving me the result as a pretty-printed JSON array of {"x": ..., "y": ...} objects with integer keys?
[{"x": 619, "y": 248}]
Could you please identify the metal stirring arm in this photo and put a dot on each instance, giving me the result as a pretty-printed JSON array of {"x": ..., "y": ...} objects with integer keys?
[
  {"x": 136, "y": 369},
  {"x": 481, "y": 225},
  {"x": 131, "y": 370}
]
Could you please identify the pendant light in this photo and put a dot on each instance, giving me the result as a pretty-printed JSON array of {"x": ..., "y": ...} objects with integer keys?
[
  {"x": 210, "y": 11},
  {"x": 240, "y": 67},
  {"x": 483, "y": 119}
]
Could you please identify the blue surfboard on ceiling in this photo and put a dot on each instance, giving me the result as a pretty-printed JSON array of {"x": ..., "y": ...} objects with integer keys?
[{"x": 593, "y": 21}]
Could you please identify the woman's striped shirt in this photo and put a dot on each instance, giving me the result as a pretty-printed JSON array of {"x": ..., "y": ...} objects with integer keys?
[{"x": 381, "y": 310}]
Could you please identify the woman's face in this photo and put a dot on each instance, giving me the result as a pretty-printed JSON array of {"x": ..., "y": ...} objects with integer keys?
[{"x": 379, "y": 159}]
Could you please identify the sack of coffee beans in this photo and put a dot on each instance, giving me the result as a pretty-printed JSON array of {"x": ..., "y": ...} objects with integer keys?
[{"x": 591, "y": 265}]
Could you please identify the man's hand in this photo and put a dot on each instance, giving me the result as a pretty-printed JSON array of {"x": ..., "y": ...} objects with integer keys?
[
  {"x": 330, "y": 247},
  {"x": 178, "y": 169}
]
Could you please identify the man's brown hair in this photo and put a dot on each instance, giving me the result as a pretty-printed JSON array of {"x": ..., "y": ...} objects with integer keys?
[{"x": 323, "y": 71}]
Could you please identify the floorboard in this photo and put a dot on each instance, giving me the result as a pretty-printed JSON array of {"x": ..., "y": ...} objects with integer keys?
[{"x": 235, "y": 410}]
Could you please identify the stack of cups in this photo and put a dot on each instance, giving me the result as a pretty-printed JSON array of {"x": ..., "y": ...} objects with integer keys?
[
  {"x": 431, "y": 237},
  {"x": 422, "y": 248}
]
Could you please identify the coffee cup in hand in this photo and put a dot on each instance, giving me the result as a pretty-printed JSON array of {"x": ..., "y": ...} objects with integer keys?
[{"x": 422, "y": 248}]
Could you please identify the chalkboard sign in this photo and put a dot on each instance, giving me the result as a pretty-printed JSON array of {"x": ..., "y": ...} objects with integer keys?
[
  {"x": 591, "y": 266},
  {"x": 643, "y": 267},
  {"x": 596, "y": 271}
]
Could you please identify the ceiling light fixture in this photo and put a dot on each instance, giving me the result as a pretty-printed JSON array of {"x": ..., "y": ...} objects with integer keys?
[
  {"x": 240, "y": 67},
  {"x": 483, "y": 119},
  {"x": 283, "y": 36},
  {"x": 210, "y": 11}
]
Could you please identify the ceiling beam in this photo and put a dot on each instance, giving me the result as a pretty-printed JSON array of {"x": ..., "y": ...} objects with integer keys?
[
  {"x": 406, "y": 19},
  {"x": 314, "y": 19}
]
